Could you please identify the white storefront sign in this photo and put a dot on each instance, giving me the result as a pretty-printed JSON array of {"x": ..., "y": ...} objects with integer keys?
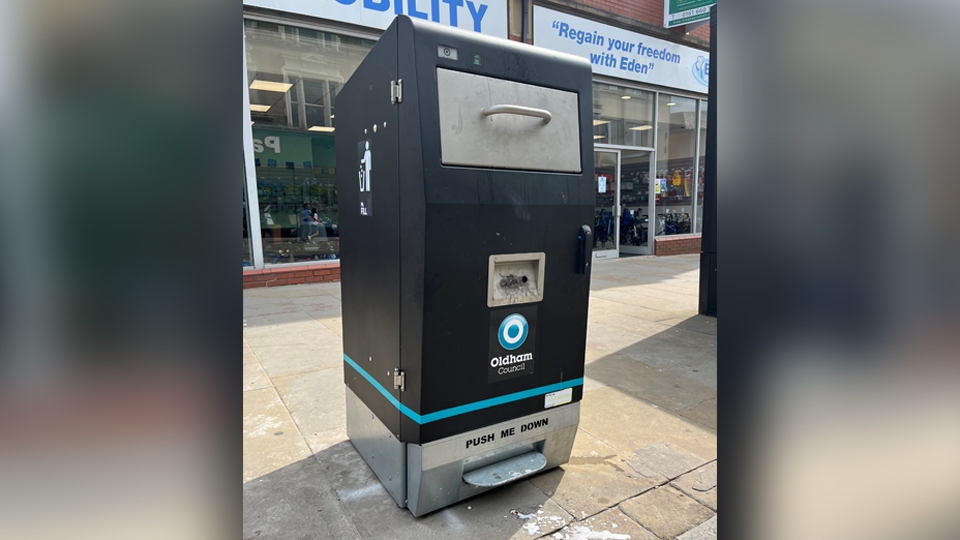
[
  {"x": 621, "y": 53},
  {"x": 485, "y": 16}
]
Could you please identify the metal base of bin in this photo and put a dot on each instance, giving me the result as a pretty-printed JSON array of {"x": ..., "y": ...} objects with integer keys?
[{"x": 431, "y": 476}]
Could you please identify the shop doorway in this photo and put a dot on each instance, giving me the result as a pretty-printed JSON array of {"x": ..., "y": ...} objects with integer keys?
[
  {"x": 623, "y": 184},
  {"x": 606, "y": 165}
]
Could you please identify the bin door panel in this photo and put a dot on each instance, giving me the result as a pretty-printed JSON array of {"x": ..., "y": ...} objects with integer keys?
[
  {"x": 494, "y": 123},
  {"x": 367, "y": 170}
]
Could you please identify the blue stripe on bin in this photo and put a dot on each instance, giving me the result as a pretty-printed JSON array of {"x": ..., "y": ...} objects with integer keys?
[{"x": 461, "y": 409}]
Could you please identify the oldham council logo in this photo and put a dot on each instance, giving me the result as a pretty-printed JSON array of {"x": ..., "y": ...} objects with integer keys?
[{"x": 513, "y": 332}]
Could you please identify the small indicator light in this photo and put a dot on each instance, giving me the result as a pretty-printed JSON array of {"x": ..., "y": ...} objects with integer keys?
[{"x": 476, "y": 59}]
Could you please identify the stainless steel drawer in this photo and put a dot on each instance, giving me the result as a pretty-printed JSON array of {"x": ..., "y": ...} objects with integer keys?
[{"x": 488, "y": 122}]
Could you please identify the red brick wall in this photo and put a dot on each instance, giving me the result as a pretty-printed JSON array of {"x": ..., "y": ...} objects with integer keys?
[
  {"x": 676, "y": 245},
  {"x": 650, "y": 11},
  {"x": 280, "y": 275},
  {"x": 702, "y": 32}
]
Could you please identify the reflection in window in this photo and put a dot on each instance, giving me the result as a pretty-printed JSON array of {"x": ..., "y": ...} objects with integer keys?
[
  {"x": 634, "y": 197},
  {"x": 622, "y": 116},
  {"x": 675, "y": 184},
  {"x": 294, "y": 76}
]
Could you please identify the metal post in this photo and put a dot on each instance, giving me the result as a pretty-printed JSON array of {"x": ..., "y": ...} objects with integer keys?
[{"x": 708, "y": 240}]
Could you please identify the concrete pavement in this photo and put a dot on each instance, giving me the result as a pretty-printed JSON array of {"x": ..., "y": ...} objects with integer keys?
[{"x": 643, "y": 466}]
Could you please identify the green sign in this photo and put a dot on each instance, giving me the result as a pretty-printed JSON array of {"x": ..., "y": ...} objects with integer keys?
[{"x": 680, "y": 12}]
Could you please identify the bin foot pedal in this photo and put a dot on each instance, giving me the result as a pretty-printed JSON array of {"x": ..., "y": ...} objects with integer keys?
[{"x": 507, "y": 470}]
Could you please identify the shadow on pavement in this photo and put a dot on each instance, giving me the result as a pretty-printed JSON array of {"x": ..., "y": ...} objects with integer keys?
[{"x": 674, "y": 369}]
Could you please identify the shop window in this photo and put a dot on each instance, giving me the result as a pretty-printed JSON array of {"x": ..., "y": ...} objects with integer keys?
[
  {"x": 294, "y": 77},
  {"x": 675, "y": 186},
  {"x": 622, "y": 115}
]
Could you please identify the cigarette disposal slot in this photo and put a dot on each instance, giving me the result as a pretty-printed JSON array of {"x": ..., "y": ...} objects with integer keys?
[{"x": 515, "y": 278}]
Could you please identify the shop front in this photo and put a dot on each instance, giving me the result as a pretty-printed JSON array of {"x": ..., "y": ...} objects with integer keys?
[
  {"x": 297, "y": 56},
  {"x": 649, "y": 125}
]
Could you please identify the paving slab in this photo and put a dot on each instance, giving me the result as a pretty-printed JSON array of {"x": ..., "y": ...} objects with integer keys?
[
  {"x": 643, "y": 299},
  {"x": 309, "y": 289},
  {"x": 279, "y": 328},
  {"x": 590, "y": 384},
  {"x": 334, "y": 324},
  {"x": 634, "y": 326},
  {"x": 701, "y": 484},
  {"x": 321, "y": 440},
  {"x": 697, "y": 323},
  {"x": 663, "y": 460},
  {"x": 592, "y": 354},
  {"x": 688, "y": 354},
  {"x": 271, "y": 439},
  {"x": 608, "y": 525},
  {"x": 320, "y": 348},
  {"x": 703, "y": 413},
  {"x": 628, "y": 423},
  {"x": 596, "y": 478},
  {"x": 666, "y": 512},
  {"x": 280, "y": 360},
  {"x": 318, "y": 305},
  {"x": 606, "y": 339},
  {"x": 305, "y": 332},
  {"x": 599, "y": 283},
  {"x": 291, "y": 321},
  {"x": 316, "y": 399},
  {"x": 640, "y": 312},
  {"x": 670, "y": 288},
  {"x": 273, "y": 309},
  {"x": 294, "y": 502},
  {"x": 705, "y": 531},
  {"x": 264, "y": 292},
  {"x": 658, "y": 385},
  {"x": 253, "y": 375}
]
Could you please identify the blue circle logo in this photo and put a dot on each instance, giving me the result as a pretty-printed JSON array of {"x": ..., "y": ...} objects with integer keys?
[
  {"x": 701, "y": 70},
  {"x": 513, "y": 332}
]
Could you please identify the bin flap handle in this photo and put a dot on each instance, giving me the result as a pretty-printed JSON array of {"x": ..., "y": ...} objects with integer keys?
[{"x": 517, "y": 109}]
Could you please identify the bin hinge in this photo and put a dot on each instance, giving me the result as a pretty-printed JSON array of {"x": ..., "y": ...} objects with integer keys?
[
  {"x": 396, "y": 91},
  {"x": 398, "y": 379}
]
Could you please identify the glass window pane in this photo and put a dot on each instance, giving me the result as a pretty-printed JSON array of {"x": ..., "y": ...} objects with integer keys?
[
  {"x": 605, "y": 176},
  {"x": 294, "y": 76},
  {"x": 622, "y": 115},
  {"x": 702, "y": 159},
  {"x": 634, "y": 197},
  {"x": 676, "y": 144}
]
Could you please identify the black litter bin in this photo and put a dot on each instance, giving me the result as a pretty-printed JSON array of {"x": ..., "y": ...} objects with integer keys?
[{"x": 465, "y": 167}]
